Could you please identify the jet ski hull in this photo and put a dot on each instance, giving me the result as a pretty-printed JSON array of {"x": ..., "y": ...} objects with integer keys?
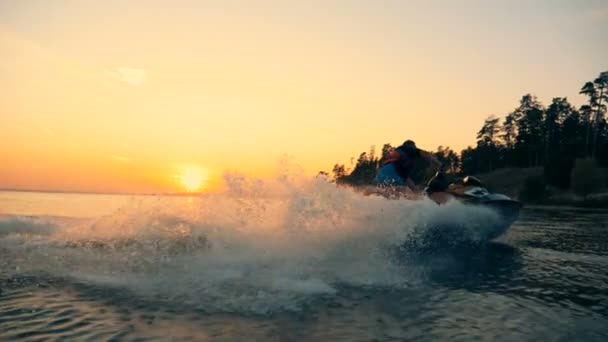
[
  {"x": 450, "y": 236},
  {"x": 507, "y": 209}
]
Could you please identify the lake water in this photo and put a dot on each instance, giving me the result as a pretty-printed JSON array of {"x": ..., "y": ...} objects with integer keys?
[{"x": 306, "y": 262}]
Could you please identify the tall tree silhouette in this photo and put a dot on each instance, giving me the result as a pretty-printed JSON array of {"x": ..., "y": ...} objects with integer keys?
[
  {"x": 601, "y": 86},
  {"x": 487, "y": 144},
  {"x": 597, "y": 92},
  {"x": 508, "y": 135},
  {"x": 529, "y": 139},
  {"x": 449, "y": 159},
  {"x": 560, "y": 122},
  {"x": 339, "y": 172},
  {"x": 591, "y": 92},
  {"x": 364, "y": 171}
]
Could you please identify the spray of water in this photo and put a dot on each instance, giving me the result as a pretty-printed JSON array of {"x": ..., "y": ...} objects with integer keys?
[{"x": 261, "y": 246}]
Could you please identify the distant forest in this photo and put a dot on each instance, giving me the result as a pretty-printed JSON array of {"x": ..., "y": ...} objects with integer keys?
[{"x": 532, "y": 135}]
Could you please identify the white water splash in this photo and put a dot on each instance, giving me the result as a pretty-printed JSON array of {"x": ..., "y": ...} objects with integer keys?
[{"x": 262, "y": 246}]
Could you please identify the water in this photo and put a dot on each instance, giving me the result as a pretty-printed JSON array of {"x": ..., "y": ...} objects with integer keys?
[{"x": 287, "y": 260}]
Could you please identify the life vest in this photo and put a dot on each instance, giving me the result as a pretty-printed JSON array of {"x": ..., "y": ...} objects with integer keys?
[{"x": 403, "y": 161}]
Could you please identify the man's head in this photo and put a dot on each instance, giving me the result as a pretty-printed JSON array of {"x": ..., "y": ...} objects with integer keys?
[
  {"x": 409, "y": 147},
  {"x": 408, "y": 144}
]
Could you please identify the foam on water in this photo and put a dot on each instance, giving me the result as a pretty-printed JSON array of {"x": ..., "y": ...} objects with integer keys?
[{"x": 261, "y": 246}]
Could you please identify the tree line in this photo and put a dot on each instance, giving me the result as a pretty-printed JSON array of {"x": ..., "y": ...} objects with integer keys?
[{"x": 532, "y": 135}]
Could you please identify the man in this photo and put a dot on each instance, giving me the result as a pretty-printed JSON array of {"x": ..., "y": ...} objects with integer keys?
[{"x": 393, "y": 177}]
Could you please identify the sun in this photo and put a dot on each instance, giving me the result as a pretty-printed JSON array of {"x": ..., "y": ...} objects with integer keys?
[{"x": 192, "y": 178}]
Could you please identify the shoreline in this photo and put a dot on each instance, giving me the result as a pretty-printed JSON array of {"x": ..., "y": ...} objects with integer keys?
[{"x": 60, "y": 192}]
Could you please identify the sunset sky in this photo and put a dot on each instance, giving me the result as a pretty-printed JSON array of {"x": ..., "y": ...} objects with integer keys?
[{"x": 137, "y": 96}]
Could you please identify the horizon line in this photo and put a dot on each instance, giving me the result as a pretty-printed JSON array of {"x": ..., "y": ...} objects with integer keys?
[{"x": 87, "y": 192}]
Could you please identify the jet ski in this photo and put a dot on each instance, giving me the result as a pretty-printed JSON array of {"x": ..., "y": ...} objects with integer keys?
[{"x": 469, "y": 190}]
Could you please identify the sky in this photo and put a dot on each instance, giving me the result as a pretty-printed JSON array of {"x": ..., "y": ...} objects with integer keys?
[{"x": 150, "y": 96}]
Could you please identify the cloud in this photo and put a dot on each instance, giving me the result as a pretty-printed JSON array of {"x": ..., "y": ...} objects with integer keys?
[
  {"x": 131, "y": 76},
  {"x": 120, "y": 158}
]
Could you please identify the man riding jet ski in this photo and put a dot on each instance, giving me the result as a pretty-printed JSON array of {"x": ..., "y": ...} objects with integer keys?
[
  {"x": 393, "y": 178},
  {"x": 392, "y": 181}
]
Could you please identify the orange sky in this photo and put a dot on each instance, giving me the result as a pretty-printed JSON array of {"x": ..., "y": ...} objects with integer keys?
[{"x": 122, "y": 95}]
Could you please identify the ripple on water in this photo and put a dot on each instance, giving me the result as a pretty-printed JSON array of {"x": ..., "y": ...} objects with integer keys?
[{"x": 548, "y": 281}]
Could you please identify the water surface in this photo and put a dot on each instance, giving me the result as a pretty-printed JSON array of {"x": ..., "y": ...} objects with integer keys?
[{"x": 311, "y": 263}]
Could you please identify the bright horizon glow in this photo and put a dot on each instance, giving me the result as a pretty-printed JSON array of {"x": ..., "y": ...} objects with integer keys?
[
  {"x": 114, "y": 96},
  {"x": 192, "y": 178}
]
